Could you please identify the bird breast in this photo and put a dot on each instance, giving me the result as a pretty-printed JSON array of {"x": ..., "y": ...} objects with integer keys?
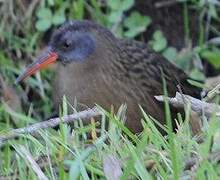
[{"x": 84, "y": 84}]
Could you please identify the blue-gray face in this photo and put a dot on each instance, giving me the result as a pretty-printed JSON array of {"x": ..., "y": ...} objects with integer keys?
[{"x": 73, "y": 46}]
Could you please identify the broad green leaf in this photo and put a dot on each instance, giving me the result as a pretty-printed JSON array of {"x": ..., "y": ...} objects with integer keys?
[
  {"x": 196, "y": 74},
  {"x": 213, "y": 11},
  {"x": 170, "y": 53},
  {"x": 159, "y": 43},
  {"x": 183, "y": 60},
  {"x": 212, "y": 57},
  {"x": 58, "y": 19},
  {"x": 44, "y": 13},
  {"x": 114, "y": 4},
  {"x": 157, "y": 35},
  {"x": 51, "y": 2},
  {"x": 43, "y": 24},
  {"x": 120, "y": 5},
  {"x": 136, "y": 19},
  {"x": 136, "y": 23},
  {"x": 126, "y": 4},
  {"x": 115, "y": 16}
]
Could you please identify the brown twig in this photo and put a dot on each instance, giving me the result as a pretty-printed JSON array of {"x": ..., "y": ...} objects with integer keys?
[
  {"x": 197, "y": 105},
  {"x": 87, "y": 114}
]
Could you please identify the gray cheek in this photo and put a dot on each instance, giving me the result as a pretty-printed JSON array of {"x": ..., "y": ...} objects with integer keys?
[
  {"x": 84, "y": 46},
  {"x": 78, "y": 55},
  {"x": 81, "y": 54}
]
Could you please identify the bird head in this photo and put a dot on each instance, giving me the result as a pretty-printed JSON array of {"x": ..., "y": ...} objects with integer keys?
[{"x": 74, "y": 41}]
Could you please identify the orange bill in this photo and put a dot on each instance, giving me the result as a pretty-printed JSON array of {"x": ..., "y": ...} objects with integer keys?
[{"x": 46, "y": 58}]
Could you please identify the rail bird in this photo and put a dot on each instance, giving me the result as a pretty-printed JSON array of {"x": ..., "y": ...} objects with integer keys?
[{"x": 95, "y": 67}]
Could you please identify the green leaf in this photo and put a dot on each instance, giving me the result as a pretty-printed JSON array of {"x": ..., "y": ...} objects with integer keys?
[
  {"x": 196, "y": 83},
  {"x": 136, "y": 23},
  {"x": 159, "y": 43},
  {"x": 44, "y": 13},
  {"x": 126, "y": 5},
  {"x": 113, "y": 4},
  {"x": 213, "y": 11},
  {"x": 120, "y": 5},
  {"x": 212, "y": 57},
  {"x": 44, "y": 19},
  {"x": 58, "y": 19},
  {"x": 196, "y": 74},
  {"x": 51, "y": 2},
  {"x": 170, "y": 53},
  {"x": 157, "y": 35},
  {"x": 43, "y": 24},
  {"x": 115, "y": 16},
  {"x": 184, "y": 60}
]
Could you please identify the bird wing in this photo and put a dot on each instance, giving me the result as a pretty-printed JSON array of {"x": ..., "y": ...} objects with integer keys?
[{"x": 147, "y": 68}]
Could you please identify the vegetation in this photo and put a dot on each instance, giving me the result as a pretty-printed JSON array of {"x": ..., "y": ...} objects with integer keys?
[{"x": 78, "y": 151}]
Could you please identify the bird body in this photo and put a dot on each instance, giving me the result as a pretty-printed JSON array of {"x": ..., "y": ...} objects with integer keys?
[{"x": 98, "y": 68}]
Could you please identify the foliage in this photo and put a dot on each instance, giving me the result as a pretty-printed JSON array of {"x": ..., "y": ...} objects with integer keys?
[
  {"x": 136, "y": 24},
  {"x": 46, "y": 19},
  {"x": 159, "y": 41},
  {"x": 146, "y": 156},
  {"x": 128, "y": 26}
]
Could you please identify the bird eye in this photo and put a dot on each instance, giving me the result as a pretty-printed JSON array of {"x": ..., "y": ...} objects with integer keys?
[{"x": 66, "y": 44}]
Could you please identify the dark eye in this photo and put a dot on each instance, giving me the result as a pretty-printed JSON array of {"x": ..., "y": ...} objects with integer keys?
[{"x": 66, "y": 44}]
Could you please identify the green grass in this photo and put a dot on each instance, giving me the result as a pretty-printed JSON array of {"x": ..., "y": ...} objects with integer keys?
[
  {"x": 82, "y": 151},
  {"x": 70, "y": 153}
]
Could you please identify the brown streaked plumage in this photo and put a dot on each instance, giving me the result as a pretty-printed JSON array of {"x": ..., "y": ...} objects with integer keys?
[{"x": 97, "y": 67}]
